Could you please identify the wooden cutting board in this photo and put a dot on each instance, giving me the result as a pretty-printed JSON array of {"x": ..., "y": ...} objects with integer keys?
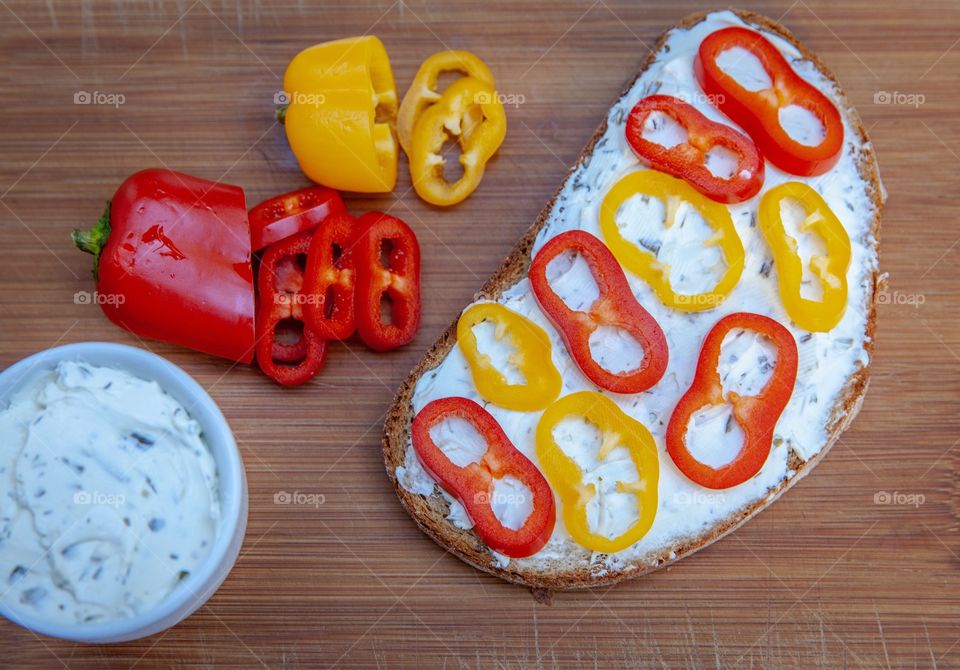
[{"x": 828, "y": 577}]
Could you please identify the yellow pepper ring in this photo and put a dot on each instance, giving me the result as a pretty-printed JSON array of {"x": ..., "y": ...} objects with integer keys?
[
  {"x": 423, "y": 91},
  {"x": 671, "y": 191},
  {"x": 342, "y": 106},
  {"x": 566, "y": 477},
  {"x": 813, "y": 315},
  {"x": 542, "y": 381},
  {"x": 446, "y": 119}
]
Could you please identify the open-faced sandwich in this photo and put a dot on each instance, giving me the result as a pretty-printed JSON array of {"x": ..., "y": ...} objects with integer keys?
[{"x": 679, "y": 338}]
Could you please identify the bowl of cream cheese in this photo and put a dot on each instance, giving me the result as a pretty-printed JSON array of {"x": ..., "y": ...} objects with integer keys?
[{"x": 123, "y": 500}]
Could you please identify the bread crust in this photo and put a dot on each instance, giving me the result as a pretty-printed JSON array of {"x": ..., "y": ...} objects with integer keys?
[{"x": 430, "y": 512}]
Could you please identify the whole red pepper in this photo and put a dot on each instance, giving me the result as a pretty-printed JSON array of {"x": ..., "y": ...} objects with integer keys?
[
  {"x": 756, "y": 415},
  {"x": 688, "y": 160},
  {"x": 616, "y": 306},
  {"x": 279, "y": 289},
  {"x": 473, "y": 484},
  {"x": 387, "y": 260},
  {"x": 330, "y": 278},
  {"x": 173, "y": 253}
]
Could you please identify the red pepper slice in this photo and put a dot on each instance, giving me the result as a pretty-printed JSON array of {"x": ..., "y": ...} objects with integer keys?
[
  {"x": 615, "y": 306},
  {"x": 286, "y": 215},
  {"x": 473, "y": 484},
  {"x": 688, "y": 160},
  {"x": 173, "y": 253},
  {"x": 758, "y": 112},
  {"x": 756, "y": 415},
  {"x": 387, "y": 260},
  {"x": 330, "y": 276},
  {"x": 279, "y": 288}
]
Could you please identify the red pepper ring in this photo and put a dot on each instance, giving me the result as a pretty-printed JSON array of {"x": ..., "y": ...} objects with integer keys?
[
  {"x": 329, "y": 280},
  {"x": 387, "y": 260},
  {"x": 279, "y": 288},
  {"x": 688, "y": 160},
  {"x": 758, "y": 112},
  {"x": 756, "y": 415},
  {"x": 615, "y": 306},
  {"x": 286, "y": 215},
  {"x": 473, "y": 485}
]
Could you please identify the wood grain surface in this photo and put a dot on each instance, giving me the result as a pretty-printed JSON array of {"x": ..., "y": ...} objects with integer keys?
[{"x": 827, "y": 577}]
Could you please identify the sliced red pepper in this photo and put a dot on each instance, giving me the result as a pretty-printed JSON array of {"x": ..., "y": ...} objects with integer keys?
[
  {"x": 688, "y": 160},
  {"x": 279, "y": 288},
  {"x": 387, "y": 260},
  {"x": 756, "y": 415},
  {"x": 330, "y": 276},
  {"x": 758, "y": 112},
  {"x": 173, "y": 253},
  {"x": 473, "y": 484},
  {"x": 615, "y": 306},
  {"x": 286, "y": 215}
]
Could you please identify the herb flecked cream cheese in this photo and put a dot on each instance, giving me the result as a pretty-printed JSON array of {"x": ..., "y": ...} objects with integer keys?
[{"x": 109, "y": 496}]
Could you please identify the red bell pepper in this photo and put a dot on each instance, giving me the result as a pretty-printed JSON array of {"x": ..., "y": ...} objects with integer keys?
[
  {"x": 279, "y": 289},
  {"x": 616, "y": 306},
  {"x": 758, "y": 112},
  {"x": 286, "y": 215},
  {"x": 330, "y": 276},
  {"x": 756, "y": 415},
  {"x": 688, "y": 160},
  {"x": 387, "y": 260},
  {"x": 173, "y": 253},
  {"x": 473, "y": 484}
]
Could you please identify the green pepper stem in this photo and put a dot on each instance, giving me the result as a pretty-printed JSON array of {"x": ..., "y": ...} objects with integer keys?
[
  {"x": 281, "y": 113},
  {"x": 92, "y": 241}
]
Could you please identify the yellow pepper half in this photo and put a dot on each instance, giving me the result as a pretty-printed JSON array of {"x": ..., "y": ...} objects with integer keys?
[
  {"x": 672, "y": 192},
  {"x": 831, "y": 269},
  {"x": 423, "y": 91},
  {"x": 566, "y": 477},
  {"x": 447, "y": 119},
  {"x": 542, "y": 381},
  {"x": 339, "y": 118}
]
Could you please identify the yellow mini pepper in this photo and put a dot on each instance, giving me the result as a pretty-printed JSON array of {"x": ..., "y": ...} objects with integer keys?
[
  {"x": 813, "y": 315},
  {"x": 671, "y": 191},
  {"x": 542, "y": 381},
  {"x": 340, "y": 114},
  {"x": 423, "y": 91},
  {"x": 449, "y": 119},
  {"x": 566, "y": 477}
]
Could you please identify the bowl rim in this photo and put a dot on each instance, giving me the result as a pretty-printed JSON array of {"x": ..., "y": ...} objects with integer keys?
[{"x": 200, "y": 585}]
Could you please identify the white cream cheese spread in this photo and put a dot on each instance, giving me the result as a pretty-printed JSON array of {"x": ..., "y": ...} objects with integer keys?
[
  {"x": 109, "y": 496},
  {"x": 826, "y": 360}
]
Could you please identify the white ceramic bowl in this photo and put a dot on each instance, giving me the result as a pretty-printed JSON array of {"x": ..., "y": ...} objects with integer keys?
[{"x": 196, "y": 589}]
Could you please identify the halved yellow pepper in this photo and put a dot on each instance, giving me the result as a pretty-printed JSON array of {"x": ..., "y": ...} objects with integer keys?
[
  {"x": 566, "y": 477},
  {"x": 447, "y": 119},
  {"x": 831, "y": 269},
  {"x": 542, "y": 381},
  {"x": 340, "y": 115},
  {"x": 672, "y": 192},
  {"x": 423, "y": 91}
]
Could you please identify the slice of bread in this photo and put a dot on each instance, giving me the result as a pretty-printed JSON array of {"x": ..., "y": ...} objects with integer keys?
[{"x": 577, "y": 568}]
